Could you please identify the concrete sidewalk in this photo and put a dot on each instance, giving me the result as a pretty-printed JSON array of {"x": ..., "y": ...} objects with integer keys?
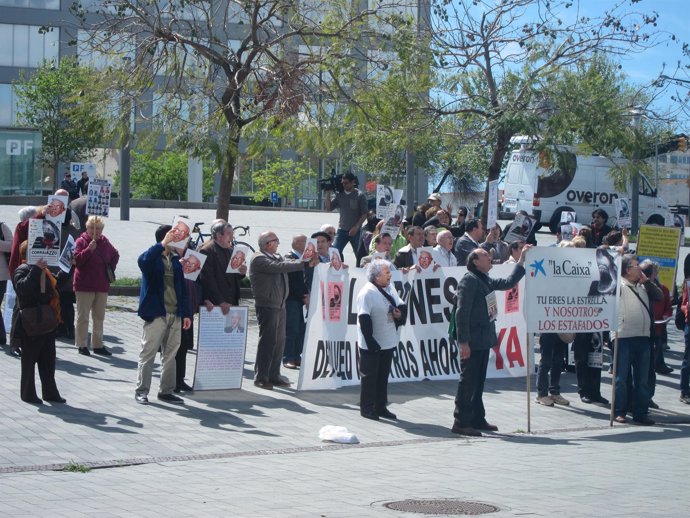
[{"x": 253, "y": 452}]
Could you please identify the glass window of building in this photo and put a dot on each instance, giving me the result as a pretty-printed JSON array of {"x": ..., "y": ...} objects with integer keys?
[
  {"x": 53, "y": 5},
  {"x": 25, "y": 46},
  {"x": 8, "y": 106}
]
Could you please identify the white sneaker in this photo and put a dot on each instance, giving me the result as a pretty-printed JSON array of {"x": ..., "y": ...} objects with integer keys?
[
  {"x": 559, "y": 400},
  {"x": 545, "y": 400}
]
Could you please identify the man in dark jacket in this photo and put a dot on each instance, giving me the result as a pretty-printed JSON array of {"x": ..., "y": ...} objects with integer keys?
[
  {"x": 476, "y": 334},
  {"x": 298, "y": 295},
  {"x": 164, "y": 307}
]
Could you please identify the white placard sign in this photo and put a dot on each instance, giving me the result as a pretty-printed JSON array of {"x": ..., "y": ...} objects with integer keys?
[
  {"x": 492, "y": 212},
  {"x": 520, "y": 229},
  {"x": 238, "y": 259},
  {"x": 65, "y": 261},
  {"x": 330, "y": 359},
  {"x": 44, "y": 242},
  {"x": 221, "y": 348},
  {"x": 623, "y": 212},
  {"x": 181, "y": 229},
  {"x": 57, "y": 208},
  {"x": 192, "y": 263},
  {"x": 98, "y": 198},
  {"x": 393, "y": 220},
  {"x": 572, "y": 290}
]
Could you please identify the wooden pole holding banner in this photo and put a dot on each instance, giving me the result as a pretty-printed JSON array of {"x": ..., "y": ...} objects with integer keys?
[
  {"x": 613, "y": 380},
  {"x": 529, "y": 383}
]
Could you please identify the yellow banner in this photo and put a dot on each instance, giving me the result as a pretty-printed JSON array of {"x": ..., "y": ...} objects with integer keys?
[{"x": 660, "y": 244}]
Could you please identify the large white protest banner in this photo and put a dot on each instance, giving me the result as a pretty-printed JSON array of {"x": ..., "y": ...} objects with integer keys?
[
  {"x": 571, "y": 290},
  {"x": 330, "y": 359}
]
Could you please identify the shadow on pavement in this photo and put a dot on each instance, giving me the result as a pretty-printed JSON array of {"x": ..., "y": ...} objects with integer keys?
[{"x": 91, "y": 419}]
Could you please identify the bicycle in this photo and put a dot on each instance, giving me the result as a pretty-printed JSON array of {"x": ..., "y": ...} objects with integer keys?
[{"x": 201, "y": 237}]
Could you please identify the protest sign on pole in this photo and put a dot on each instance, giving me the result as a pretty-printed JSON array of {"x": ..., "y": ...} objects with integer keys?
[
  {"x": 661, "y": 244},
  {"x": 221, "y": 348},
  {"x": 572, "y": 290},
  {"x": 330, "y": 356},
  {"x": 44, "y": 242},
  {"x": 492, "y": 210}
]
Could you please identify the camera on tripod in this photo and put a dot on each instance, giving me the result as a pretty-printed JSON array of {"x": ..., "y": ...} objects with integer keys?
[{"x": 334, "y": 183}]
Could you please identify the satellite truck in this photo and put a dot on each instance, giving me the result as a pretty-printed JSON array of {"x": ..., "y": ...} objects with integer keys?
[{"x": 573, "y": 183}]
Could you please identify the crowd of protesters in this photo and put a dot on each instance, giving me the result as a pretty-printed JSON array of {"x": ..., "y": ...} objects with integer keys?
[{"x": 281, "y": 287}]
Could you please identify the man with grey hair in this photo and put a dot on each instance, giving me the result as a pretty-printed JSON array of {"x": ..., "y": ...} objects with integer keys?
[
  {"x": 220, "y": 288},
  {"x": 268, "y": 271},
  {"x": 443, "y": 251},
  {"x": 328, "y": 229}
]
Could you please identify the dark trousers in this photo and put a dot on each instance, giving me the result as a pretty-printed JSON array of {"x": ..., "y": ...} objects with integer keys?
[
  {"x": 38, "y": 350},
  {"x": 186, "y": 343},
  {"x": 3, "y": 333},
  {"x": 295, "y": 327},
  {"x": 469, "y": 404},
  {"x": 553, "y": 351},
  {"x": 588, "y": 378},
  {"x": 374, "y": 369},
  {"x": 685, "y": 366},
  {"x": 633, "y": 354},
  {"x": 660, "y": 341},
  {"x": 67, "y": 300},
  {"x": 269, "y": 351}
]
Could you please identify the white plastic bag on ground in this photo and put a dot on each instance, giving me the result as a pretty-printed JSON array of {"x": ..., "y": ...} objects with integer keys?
[{"x": 338, "y": 434}]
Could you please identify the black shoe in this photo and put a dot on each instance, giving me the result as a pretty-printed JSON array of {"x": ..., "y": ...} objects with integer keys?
[
  {"x": 282, "y": 381},
  {"x": 645, "y": 421},
  {"x": 462, "y": 430},
  {"x": 142, "y": 399},
  {"x": 370, "y": 415},
  {"x": 183, "y": 387},
  {"x": 171, "y": 398},
  {"x": 586, "y": 399},
  {"x": 102, "y": 351},
  {"x": 652, "y": 404},
  {"x": 601, "y": 401},
  {"x": 387, "y": 414},
  {"x": 486, "y": 426},
  {"x": 263, "y": 384},
  {"x": 33, "y": 401},
  {"x": 665, "y": 370},
  {"x": 685, "y": 398},
  {"x": 55, "y": 399},
  {"x": 84, "y": 351},
  {"x": 16, "y": 352}
]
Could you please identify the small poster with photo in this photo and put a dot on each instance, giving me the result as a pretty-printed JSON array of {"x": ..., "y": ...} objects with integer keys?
[
  {"x": 98, "y": 197},
  {"x": 57, "y": 208},
  {"x": 568, "y": 217},
  {"x": 384, "y": 198},
  {"x": 44, "y": 242},
  {"x": 492, "y": 306},
  {"x": 238, "y": 259},
  {"x": 623, "y": 214},
  {"x": 521, "y": 228},
  {"x": 181, "y": 229},
  {"x": 335, "y": 259},
  {"x": 65, "y": 261},
  {"x": 425, "y": 258},
  {"x": 567, "y": 232},
  {"x": 192, "y": 263},
  {"x": 393, "y": 220},
  {"x": 309, "y": 250}
]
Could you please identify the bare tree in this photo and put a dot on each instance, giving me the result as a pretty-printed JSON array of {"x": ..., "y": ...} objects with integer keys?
[
  {"x": 500, "y": 58},
  {"x": 228, "y": 63}
]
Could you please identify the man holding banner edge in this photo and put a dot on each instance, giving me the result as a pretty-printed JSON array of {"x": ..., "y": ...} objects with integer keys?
[{"x": 475, "y": 331}]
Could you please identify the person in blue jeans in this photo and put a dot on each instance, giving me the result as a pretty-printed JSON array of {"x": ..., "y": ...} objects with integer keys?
[
  {"x": 553, "y": 349},
  {"x": 353, "y": 211},
  {"x": 298, "y": 296},
  {"x": 635, "y": 326}
]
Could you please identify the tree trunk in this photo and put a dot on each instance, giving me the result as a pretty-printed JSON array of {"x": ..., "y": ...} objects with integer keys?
[{"x": 227, "y": 172}]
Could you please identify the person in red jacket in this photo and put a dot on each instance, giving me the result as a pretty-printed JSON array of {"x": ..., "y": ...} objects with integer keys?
[{"x": 95, "y": 260}]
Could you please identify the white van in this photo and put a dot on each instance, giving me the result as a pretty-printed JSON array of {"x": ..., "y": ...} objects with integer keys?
[{"x": 576, "y": 184}]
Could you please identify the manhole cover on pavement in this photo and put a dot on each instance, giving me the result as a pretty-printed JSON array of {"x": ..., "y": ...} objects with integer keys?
[{"x": 448, "y": 506}]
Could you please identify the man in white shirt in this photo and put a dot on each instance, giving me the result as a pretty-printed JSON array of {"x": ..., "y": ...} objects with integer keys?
[{"x": 443, "y": 251}]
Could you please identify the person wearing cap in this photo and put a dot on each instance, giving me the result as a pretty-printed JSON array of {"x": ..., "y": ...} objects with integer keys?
[
  {"x": 323, "y": 243},
  {"x": 434, "y": 199},
  {"x": 70, "y": 186},
  {"x": 353, "y": 211}
]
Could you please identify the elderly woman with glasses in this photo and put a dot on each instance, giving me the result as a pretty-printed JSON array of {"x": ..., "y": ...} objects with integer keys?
[{"x": 95, "y": 262}]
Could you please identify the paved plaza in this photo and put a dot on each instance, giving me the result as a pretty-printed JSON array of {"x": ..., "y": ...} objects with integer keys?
[{"x": 252, "y": 452}]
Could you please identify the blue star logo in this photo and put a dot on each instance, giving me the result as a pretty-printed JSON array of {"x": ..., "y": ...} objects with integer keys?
[{"x": 538, "y": 266}]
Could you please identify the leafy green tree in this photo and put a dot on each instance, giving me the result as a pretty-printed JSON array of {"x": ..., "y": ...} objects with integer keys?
[
  {"x": 62, "y": 102},
  {"x": 163, "y": 175},
  {"x": 280, "y": 175},
  {"x": 192, "y": 51},
  {"x": 499, "y": 62}
]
